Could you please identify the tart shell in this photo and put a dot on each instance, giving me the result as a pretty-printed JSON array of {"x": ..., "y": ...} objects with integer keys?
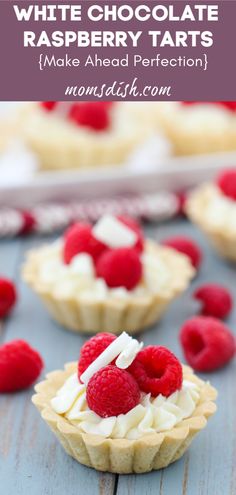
[
  {"x": 150, "y": 452},
  {"x": 61, "y": 145},
  {"x": 222, "y": 239},
  {"x": 131, "y": 314}
]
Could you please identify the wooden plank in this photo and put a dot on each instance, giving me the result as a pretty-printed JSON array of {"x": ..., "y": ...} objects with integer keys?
[
  {"x": 32, "y": 459},
  {"x": 208, "y": 468},
  {"x": 9, "y": 256}
]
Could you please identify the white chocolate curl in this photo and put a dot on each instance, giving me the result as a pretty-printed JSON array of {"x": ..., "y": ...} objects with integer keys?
[
  {"x": 114, "y": 233},
  {"x": 118, "y": 346},
  {"x": 127, "y": 356}
]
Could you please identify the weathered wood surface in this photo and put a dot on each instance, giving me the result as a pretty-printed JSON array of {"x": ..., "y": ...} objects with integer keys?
[{"x": 32, "y": 460}]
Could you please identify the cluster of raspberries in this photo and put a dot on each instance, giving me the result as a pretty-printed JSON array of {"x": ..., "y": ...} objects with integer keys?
[
  {"x": 120, "y": 267},
  {"x": 112, "y": 391},
  {"x": 91, "y": 114}
]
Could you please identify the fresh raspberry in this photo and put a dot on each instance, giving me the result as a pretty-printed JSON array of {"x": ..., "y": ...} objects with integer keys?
[
  {"x": 92, "y": 114},
  {"x": 20, "y": 366},
  {"x": 216, "y": 300},
  {"x": 8, "y": 296},
  {"x": 112, "y": 391},
  {"x": 230, "y": 105},
  {"x": 120, "y": 267},
  {"x": 157, "y": 371},
  {"x": 79, "y": 239},
  {"x": 29, "y": 223},
  {"x": 92, "y": 348},
  {"x": 226, "y": 181},
  {"x": 207, "y": 343},
  {"x": 48, "y": 105},
  {"x": 133, "y": 225},
  {"x": 186, "y": 246}
]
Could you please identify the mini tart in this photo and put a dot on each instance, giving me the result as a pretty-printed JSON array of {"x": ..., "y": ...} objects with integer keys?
[
  {"x": 198, "y": 129},
  {"x": 150, "y": 452},
  {"x": 61, "y": 144},
  {"x": 222, "y": 237},
  {"x": 133, "y": 313}
]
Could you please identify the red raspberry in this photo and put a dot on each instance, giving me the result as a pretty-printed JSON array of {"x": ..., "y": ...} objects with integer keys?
[
  {"x": 112, "y": 391},
  {"x": 91, "y": 114},
  {"x": 226, "y": 181},
  {"x": 20, "y": 366},
  {"x": 133, "y": 225},
  {"x": 48, "y": 105},
  {"x": 29, "y": 223},
  {"x": 8, "y": 296},
  {"x": 216, "y": 300},
  {"x": 92, "y": 348},
  {"x": 186, "y": 246},
  {"x": 207, "y": 343},
  {"x": 157, "y": 371},
  {"x": 230, "y": 105},
  {"x": 120, "y": 268},
  {"x": 79, "y": 239}
]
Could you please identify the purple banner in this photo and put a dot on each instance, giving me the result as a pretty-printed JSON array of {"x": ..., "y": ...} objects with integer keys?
[{"x": 55, "y": 50}]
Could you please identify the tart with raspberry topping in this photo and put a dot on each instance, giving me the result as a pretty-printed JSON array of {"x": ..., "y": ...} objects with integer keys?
[
  {"x": 126, "y": 409},
  {"x": 195, "y": 128},
  {"x": 212, "y": 207},
  {"x": 107, "y": 276},
  {"x": 76, "y": 135}
]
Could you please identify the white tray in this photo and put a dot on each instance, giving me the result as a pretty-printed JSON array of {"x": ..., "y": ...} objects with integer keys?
[{"x": 175, "y": 174}]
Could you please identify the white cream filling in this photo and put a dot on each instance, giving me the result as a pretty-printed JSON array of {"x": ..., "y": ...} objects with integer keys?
[
  {"x": 199, "y": 117},
  {"x": 150, "y": 416},
  {"x": 79, "y": 276},
  {"x": 220, "y": 211}
]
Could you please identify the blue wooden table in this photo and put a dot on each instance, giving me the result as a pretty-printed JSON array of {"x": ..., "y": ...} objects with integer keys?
[{"x": 31, "y": 459}]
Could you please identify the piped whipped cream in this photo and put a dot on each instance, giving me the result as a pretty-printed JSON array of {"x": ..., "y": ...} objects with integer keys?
[
  {"x": 79, "y": 276},
  {"x": 151, "y": 415},
  {"x": 220, "y": 211}
]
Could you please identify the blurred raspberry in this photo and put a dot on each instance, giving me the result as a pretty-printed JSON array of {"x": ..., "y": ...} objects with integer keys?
[
  {"x": 207, "y": 343},
  {"x": 226, "y": 181},
  {"x": 216, "y": 300},
  {"x": 79, "y": 239},
  {"x": 8, "y": 296},
  {"x": 92, "y": 114},
  {"x": 186, "y": 246},
  {"x": 20, "y": 366},
  {"x": 120, "y": 268}
]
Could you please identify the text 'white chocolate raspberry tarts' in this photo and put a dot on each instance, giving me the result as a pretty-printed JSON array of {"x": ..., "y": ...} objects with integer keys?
[
  {"x": 125, "y": 409},
  {"x": 80, "y": 135},
  {"x": 107, "y": 277},
  {"x": 213, "y": 208}
]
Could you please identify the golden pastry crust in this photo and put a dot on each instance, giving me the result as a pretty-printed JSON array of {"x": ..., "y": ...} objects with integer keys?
[
  {"x": 132, "y": 313},
  {"x": 222, "y": 239},
  {"x": 150, "y": 452},
  {"x": 193, "y": 134},
  {"x": 62, "y": 145}
]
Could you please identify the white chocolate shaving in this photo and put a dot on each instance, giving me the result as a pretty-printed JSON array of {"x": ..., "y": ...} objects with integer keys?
[
  {"x": 114, "y": 233},
  {"x": 127, "y": 356},
  {"x": 107, "y": 356}
]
